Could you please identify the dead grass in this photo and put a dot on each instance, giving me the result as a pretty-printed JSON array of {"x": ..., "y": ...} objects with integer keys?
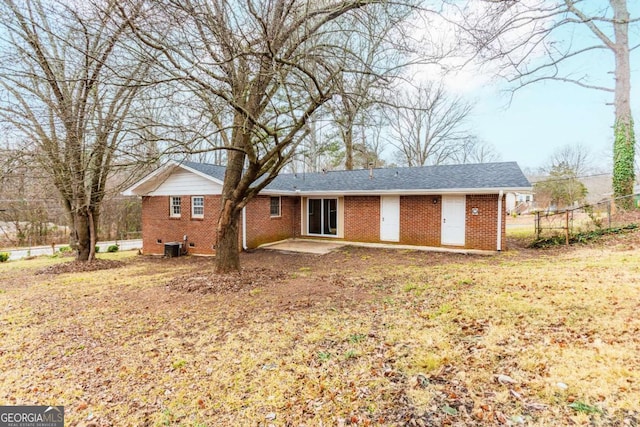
[{"x": 356, "y": 337}]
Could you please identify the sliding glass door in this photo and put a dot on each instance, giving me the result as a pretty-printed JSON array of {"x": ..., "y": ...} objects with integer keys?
[{"x": 322, "y": 216}]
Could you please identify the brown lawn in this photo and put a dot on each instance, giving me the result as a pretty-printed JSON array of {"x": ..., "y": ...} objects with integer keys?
[{"x": 357, "y": 337}]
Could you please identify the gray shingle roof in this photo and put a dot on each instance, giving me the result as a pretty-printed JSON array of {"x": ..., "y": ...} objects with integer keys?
[
  {"x": 213, "y": 171},
  {"x": 481, "y": 176}
]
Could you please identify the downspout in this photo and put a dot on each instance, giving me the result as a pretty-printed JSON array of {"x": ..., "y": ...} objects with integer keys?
[
  {"x": 499, "y": 244},
  {"x": 244, "y": 228}
]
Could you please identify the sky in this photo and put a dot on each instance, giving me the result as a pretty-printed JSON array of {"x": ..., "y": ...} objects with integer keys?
[
  {"x": 539, "y": 118},
  {"x": 528, "y": 126}
]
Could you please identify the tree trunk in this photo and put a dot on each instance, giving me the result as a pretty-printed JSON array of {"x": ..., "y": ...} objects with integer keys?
[
  {"x": 71, "y": 217},
  {"x": 92, "y": 234},
  {"x": 624, "y": 139},
  {"x": 83, "y": 235},
  {"x": 227, "y": 249},
  {"x": 348, "y": 145}
]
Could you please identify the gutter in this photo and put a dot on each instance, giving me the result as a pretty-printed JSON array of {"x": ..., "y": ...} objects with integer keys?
[
  {"x": 499, "y": 242},
  {"x": 244, "y": 228},
  {"x": 396, "y": 192}
]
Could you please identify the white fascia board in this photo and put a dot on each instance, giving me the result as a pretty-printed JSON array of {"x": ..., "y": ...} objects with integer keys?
[{"x": 416, "y": 192}]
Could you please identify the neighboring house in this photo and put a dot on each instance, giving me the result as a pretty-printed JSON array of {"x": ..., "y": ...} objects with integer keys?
[
  {"x": 519, "y": 203},
  {"x": 459, "y": 206},
  {"x": 599, "y": 188}
]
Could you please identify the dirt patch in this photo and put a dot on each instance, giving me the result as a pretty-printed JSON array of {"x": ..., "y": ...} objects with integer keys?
[
  {"x": 335, "y": 290},
  {"x": 212, "y": 283},
  {"x": 81, "y": 266},
  {"x": 300, "y": 280}
]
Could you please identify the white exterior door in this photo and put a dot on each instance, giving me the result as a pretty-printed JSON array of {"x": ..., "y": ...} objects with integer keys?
[
  {"x": 390, "y": 218},
  {"x": 453, "y": 220}
]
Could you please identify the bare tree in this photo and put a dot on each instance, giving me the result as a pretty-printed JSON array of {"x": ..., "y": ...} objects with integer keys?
[
  {"x": 272, "y": 64},
  {"x": 69, "y": 88},
  {"x": 325, "y": 148},
  {"x": 574, "y": 157},
  {"x": 373, "y": 139},
  {"x": 474, "y": 150},
  {"x": 357, "y": 93},
  {"x": 536, "y": 41},
  {"x": 427, "y": 124},
  {"x": 321, "y": 149},
  {"x": 27, "y": 214}
]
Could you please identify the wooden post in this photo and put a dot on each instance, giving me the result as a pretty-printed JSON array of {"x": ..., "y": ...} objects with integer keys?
[{"x": 566, "y": 225}]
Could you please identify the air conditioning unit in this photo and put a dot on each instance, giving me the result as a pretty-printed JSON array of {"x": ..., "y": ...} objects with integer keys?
[{"x": 172, "y": 249}]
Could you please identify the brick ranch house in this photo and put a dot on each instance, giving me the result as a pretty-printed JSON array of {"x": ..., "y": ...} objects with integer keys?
[{"x": 455, "y": 206}]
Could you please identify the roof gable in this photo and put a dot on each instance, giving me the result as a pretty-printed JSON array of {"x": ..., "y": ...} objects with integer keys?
[
  {"x": 183, "y": 182},
  {"x": 176, "y": 179}
]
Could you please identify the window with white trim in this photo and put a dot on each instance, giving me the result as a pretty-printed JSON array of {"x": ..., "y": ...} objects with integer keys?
[
  {"x": 275, "y": 206},
  {"x": 175, "y": 207},
  {"x": 197, "y": 207}
]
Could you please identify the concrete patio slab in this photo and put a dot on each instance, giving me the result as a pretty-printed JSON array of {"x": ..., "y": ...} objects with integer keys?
[
  {"x": 322, "y": 247},
  {"x": 319, "y": 247}
]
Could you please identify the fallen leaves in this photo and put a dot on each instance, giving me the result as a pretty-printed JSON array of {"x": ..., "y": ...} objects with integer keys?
[
  {"x": 212, "y": 283},
  {"x": 348, "y": 342},
  {"x": 81, "y": 266}
]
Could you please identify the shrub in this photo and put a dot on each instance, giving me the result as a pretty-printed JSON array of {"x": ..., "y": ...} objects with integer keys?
[
  {"x": 113, "y": 248},
  {"x": 64, "y": 249},
  {"x": 97, "y": 248},
  {"x": 4, "y": 256}
]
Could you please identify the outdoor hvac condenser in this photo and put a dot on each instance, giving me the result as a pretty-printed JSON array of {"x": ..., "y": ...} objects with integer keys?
[{"x": 172, "y": 249}]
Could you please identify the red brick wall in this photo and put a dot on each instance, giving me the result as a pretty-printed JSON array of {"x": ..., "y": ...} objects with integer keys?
[
  {"x": 482, "y": 229},
  {"x": 362, "y": 218},
  {"x": 263, "y": 228},
  {"x": 420, "y": 220},
  {"x": 158, "y": 225}
]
